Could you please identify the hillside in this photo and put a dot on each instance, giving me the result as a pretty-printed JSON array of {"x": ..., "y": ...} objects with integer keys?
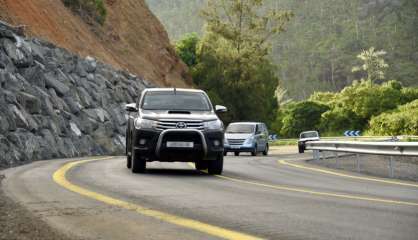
[
  {"x": 131, "y": 38},
  {"x": 321, "y": 42}
]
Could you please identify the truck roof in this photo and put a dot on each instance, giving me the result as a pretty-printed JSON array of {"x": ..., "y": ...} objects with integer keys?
[{"x": 172, "y": 90}]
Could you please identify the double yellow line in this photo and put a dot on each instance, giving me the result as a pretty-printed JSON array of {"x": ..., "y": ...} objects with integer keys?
[{"x": 59, "y": 177}]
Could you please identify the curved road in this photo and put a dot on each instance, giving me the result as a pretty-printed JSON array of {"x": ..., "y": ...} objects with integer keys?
[{"x": 256, "y": 197}]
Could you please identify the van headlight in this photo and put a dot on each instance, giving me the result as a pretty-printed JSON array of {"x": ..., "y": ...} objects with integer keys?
[
  {"x": 144, "y": 123},
  {"x": 214, "y": 125},
  {"x": 249, "y": 141}
]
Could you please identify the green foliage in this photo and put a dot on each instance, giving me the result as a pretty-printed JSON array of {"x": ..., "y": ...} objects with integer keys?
[
  {"x": 186, "y": 48},
  {"x": 373, "y": 64},
  {"x": 95, "y": 9},
  {"x": 352, "y": 109},
  {"x": 301, "y": 116},
  {"x": 402, "y": 121},
  {"x": 367, "y": 99},
  {"x": 231, "y": 60},
  {"x": 319, "y": 47}
]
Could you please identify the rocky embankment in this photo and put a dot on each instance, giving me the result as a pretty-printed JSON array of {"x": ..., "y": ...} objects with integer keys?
[{"x": 54, "y": 104}]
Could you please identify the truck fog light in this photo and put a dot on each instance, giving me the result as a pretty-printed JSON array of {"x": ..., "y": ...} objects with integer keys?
[
  {"x": 216, "y": 143},
  {"x": 142, "y": 141}
]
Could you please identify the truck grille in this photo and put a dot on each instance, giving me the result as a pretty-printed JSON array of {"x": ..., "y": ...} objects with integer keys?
[
  {"x": 236, "y": 141},
  {"x": 180, "y": 124}
]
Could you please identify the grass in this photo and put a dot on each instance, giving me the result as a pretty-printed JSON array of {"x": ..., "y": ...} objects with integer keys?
[{"x": 285, "y": 142}]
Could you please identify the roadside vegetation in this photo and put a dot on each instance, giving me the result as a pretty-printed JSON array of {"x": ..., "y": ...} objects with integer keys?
[
  {"x": 231, "y": 58},
  {"x": 385, "y": 108},
  {"x": 90, "y": 10},
  {"x": 319, "y": 47}
]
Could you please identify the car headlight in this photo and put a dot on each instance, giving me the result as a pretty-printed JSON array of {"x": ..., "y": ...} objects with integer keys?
[
  {"x": 249, "y": 141},
  {"x": 143, "y": 123},
  {"x": 226, "y": 142},
  {"x": 214, "y": 125}
]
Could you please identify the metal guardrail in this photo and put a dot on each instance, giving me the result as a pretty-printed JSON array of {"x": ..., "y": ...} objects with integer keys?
[
  {"x": 409, "y": 149},
  {"x": 375, "y": 148},
  {"x": 366, "y": 138}
]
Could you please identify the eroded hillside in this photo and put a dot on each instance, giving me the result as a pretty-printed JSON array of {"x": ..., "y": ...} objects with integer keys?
[{"x": 132, "y": 38}]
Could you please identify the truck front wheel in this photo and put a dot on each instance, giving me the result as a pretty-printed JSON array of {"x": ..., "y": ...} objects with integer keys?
[
  {"x": 215, "y": 167},
  {"x": 139, "y": 165}
]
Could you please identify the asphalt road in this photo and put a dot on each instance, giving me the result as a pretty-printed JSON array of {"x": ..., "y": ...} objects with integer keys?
[{"x": 256, "y": 197}]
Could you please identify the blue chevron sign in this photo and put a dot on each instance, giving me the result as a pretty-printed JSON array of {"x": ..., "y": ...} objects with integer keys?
[
  {"x": 350, "y": 133},
  {"x": 273, "y": 137}
]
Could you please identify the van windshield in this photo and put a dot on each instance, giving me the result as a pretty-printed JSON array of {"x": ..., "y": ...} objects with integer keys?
[
  {"x": 168, "y": 100},
  {"x": 240, "y": 128}
]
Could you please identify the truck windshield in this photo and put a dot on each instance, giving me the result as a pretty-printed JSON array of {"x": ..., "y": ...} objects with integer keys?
[
  {"x": 240, "y": 128},
  {"x": 309, "y": 135},
  {"x": 168, "y": 100}
]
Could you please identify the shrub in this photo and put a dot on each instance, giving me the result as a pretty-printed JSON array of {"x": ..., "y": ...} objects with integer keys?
[
  {"x": 302, "y": 116},
  {"x": 402, "y": 121},
  {"x": 95, "y": 9}
]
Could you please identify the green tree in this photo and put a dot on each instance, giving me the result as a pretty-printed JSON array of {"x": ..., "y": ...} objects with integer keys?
[
  {"x": 301, "y": 116},
  {"x": 186, "y": 48},
  {"x": 233, "y": 57},
  {"x": 373, "y": 64}
]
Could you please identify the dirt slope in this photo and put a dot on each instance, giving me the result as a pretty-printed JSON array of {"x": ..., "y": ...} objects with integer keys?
[{"x": 132, "y": 37}]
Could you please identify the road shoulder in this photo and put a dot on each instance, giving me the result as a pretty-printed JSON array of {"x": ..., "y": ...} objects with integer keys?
[{"x": 19, "y": 223}]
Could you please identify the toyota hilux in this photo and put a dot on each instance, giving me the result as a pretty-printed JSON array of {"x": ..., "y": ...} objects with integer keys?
[{"x": 174, "y": 125}]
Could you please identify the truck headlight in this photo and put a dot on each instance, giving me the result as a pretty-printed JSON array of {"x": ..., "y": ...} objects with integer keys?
[
  {"x": 143, "y": 123},
  {"x": 214, "y": 125}
]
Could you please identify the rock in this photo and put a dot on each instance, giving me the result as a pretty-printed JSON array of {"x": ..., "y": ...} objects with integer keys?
[
  {"x": 20, "y": 56},
  {"x": 9, "y": 97},
  {"x": 80, "y": 68},
  {"x": 54, "y": 104},
  {"x": 34, "y": 75},
  {"x": 75, "y": 129},
  {"x": 60, "y": 88},
  {"x": 19, "y": 117},
  {"x": 90, "y": 64},
  {"x": 29, "y": 102},
  {"x": 75, "y": 107}
]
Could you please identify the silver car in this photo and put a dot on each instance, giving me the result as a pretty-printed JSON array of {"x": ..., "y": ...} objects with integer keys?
[{"x": 249, "y": 137}]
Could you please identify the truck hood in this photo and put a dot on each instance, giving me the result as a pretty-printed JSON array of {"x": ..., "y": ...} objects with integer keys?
[
  {"x": 164, "y": 114},
  {"x": 237, "y": 135}
]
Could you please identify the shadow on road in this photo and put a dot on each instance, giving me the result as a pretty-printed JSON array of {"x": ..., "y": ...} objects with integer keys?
[{"x": 176, "y": 172}]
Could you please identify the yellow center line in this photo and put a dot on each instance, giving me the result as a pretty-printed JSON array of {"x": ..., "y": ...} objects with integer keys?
[
  {"x": 283, "y": 162},
  {"x": 60, "y": 178},
  {"x": 312, "y": 192}
]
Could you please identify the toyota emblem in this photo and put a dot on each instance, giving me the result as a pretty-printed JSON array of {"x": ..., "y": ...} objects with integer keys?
[{"x": 181, "y": 125}]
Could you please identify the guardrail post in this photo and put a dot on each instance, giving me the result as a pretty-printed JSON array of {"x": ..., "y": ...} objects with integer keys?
[
  {"x": 316, "y": 155},
  {"x": 391, "y": 167},
  {"x": 358, "y": 162}
]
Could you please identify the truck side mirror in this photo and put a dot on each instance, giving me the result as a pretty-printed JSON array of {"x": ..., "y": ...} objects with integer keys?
[
  {"x": 131, "y": 107},
  {"x": 220, "y": 109}
]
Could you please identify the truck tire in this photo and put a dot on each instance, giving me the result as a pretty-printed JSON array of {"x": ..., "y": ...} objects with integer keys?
[
  {"x": 301, "y": 148},
  {"x": 201, "y": 165},
  {"x": 215, "y": 167},
  {"x": 236, "y": 153},
  {"x": 139, "y": 165},
  {"x": 128, "y": 161}
]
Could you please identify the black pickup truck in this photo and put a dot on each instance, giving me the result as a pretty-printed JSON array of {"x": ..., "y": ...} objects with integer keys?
[{"x": 174, "y": 125}]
